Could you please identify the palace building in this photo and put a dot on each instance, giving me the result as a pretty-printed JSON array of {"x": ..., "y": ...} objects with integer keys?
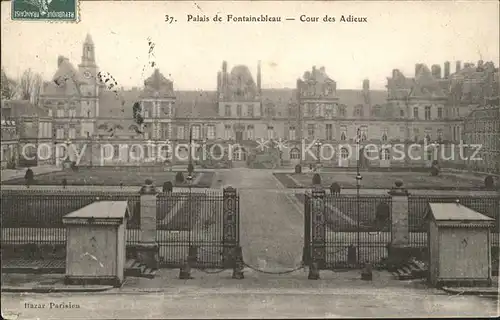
[{"x": 87, "y": 111}]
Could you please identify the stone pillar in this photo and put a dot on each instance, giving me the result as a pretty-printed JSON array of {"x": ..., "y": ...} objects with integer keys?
[
  {"x": 398, "y": 249},
  {"x": 147, "y": 250}
]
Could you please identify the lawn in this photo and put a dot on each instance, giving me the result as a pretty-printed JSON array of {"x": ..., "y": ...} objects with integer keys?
[
  {"x": 380, "y": 180},
  {"x": 102, "y": 176}
]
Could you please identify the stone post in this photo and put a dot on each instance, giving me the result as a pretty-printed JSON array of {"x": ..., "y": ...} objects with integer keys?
[
  {"x": 398, "y": 252},
  {"x": 147, "y": 251}
]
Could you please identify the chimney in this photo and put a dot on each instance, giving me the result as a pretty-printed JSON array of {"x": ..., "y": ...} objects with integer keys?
[
  {"x": 458, "y": 66},
  {"x": 224, "y": 74},
  {"x": 417, "y": 68},
  {"x": 446, "y": 70},
  {"x": 322, "y": 70},
  {"x": 259, "y": 76},
  {"x": 218, "y": 81},
  {"x": 314, "y": 72},
  {"x": 395, "y": 72},
  {"x": 60, "y": 60},
  {"x": 366, "y": 85},
  {"x": 436, "y": 71}
]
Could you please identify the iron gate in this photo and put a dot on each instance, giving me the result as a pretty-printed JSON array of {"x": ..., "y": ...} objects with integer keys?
[
  {"x": 205, "y": 223},
  {"x": 345, "y": 231}
]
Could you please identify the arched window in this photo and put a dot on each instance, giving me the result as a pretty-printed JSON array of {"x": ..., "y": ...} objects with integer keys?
[
  {"x": 344, "y": 154},
  {"x": 295, "y": 154}
]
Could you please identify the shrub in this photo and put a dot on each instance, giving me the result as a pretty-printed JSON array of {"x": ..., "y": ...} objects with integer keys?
[
  {"x": 398, "y": 183},
  {"x": 149, "y": 181},
  {"x": 179, "y": 177},
  {"x": 382, "y": 212},
  {"x": 489, "y": 182},
  {"x": 335, "y": 188},
  {"x": 316, "y": 179},
  {"x": 434, "y": 171},
  {"x": 435, "y": 163},
  {"x": 298, "y": 168},
  {"x": 167, "y": 186}
]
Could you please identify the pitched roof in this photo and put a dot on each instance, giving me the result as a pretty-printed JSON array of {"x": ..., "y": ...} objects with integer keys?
[
  {"x": 455, "y": 211},
  {"x": 19, "y": 108},
  {"x": 196, "y": 104},
  {"x": 115, "y": 111}
]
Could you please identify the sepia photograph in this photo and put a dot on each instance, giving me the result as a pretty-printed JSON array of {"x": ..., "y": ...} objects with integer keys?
[{"x": 249, "y": 159}]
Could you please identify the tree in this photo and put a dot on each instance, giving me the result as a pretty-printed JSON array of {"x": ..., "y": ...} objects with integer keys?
[
  {"x": 8, "y": 86},
  {"x": 30, "y": 86}
]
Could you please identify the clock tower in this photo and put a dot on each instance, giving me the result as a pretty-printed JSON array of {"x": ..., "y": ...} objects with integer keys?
[{"x": 89, "y": 88}]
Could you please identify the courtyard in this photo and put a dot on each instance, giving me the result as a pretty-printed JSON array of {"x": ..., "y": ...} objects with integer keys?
[
  {"x": 115, "y": 176},
  {"x": 382, "y": 180}
]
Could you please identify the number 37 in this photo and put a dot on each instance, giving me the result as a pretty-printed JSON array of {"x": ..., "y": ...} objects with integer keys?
[{"x": 169, "y": 19}]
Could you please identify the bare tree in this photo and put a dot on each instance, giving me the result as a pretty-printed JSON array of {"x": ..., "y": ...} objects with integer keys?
[
  {"x": 30, "y": 86},
  {"x": 8, "y": 86}
]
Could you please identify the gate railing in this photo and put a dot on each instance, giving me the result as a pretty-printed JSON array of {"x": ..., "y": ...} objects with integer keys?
[{"x": 339, "y": 233}]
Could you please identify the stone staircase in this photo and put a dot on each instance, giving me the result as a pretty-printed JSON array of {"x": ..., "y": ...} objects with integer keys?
[{"x": 413, "y": 269}]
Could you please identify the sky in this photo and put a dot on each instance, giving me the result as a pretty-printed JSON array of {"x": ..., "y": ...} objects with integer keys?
[{"x": 397, "y": 36}]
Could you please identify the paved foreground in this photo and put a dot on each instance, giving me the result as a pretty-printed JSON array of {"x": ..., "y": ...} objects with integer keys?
[{"x": 235, "y": 303}]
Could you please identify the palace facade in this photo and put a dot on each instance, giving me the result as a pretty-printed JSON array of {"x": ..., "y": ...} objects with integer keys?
[{"x": 431, "y": 106}]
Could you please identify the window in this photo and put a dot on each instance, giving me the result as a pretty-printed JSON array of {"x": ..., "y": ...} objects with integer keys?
[
  {"x": 344, "y": 154},
  {"x": 415, "y": 112},
  {"x": 364, "y": 133},
  {"x": 227, "y": 110},
  {"x": 60, "y": 133},
  {"x": 72, "y": 113},
  {"x": 250, "y": 111},
  {"x": 342, "y": 111},
  {"x": 270, "y": 132},
  {"x": 227, "y": 132},
  {"x": 318, "y": 110},
  {"x": 211, "y": 132},
  {"x": 329, "y": 131},
  {"x": 60, "y": 113},
  {"x": 196, "y": 132},
  {"x": 385, "y": 154},
  {"x": 428, "y": 113},
  {"x": 310, "y": 131},
  {"x": 440, "y": 135},
  {"x": 402, "y": 132},
  {"x": 358, "y": 111},
  {"x": 295, "y": 154},
  {"x": 250, "y": 132},
  {"x": 343, "y": 133},
  {"x": 50, "y": 112},
  {"x": 415, "y": 134},
  {"x": 180, "y": 133},
  {"x": 384, "y": 134},
  {"x": 440, "y": 113},
  {"x": 238, "y": 110},
  {"x": 310, "y": 109},
  {"x": 329, "y": 111},
  {"x": 428, "y": 135},
  {"x": 72, "y": 133},
  {"x": 402, "y": 113},
  {"x": 291, "y": 133}
]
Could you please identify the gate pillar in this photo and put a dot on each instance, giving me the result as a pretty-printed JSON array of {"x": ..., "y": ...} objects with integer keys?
[
  {"x": 318, "y": 229},
  {"x": 230, "y": 237},
  {"x": 147, "y": 249}
]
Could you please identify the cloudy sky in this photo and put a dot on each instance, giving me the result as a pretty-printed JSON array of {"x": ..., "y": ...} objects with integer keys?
[{"x": 397, "y": 35}]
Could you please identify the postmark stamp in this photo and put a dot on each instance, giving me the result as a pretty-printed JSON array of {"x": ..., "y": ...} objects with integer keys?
[{"x": 45, "y": 10}]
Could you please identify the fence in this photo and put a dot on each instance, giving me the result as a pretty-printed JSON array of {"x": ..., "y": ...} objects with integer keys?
[
  {"x": 351, "y": 230},
  {"x": 32, "y": 221},
  {"x": 417, "y": 206},
  {"x": 191, "y": 220},
  {"x": 35, "y": 217}
]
